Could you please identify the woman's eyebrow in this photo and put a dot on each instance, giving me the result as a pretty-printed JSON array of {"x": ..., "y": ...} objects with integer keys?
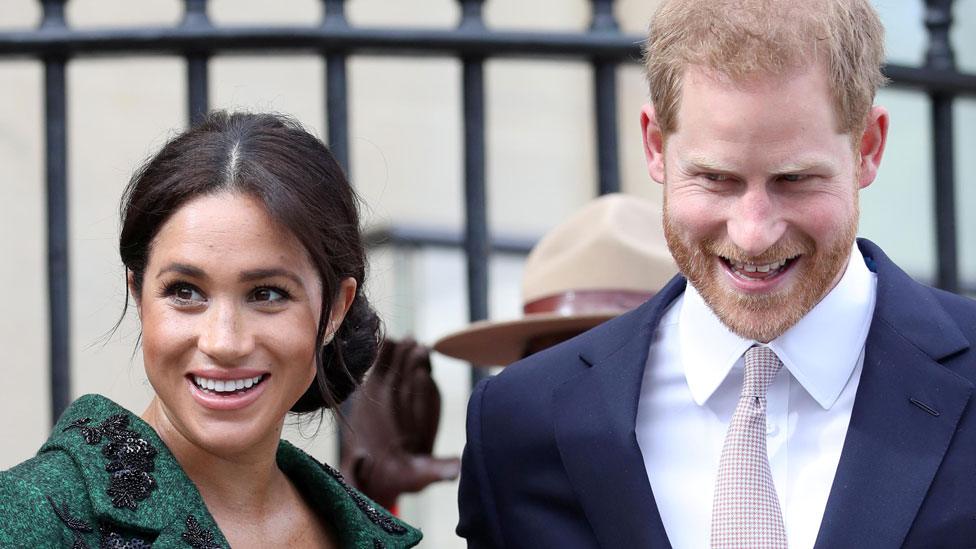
[
  {"x": 245, "y": 276},
  {"x": 183, "y": 269},
  {"x": 259, "y": 274}
]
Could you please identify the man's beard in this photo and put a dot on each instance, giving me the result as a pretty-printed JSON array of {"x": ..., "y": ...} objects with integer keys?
[{"x": 762, "y": 317}]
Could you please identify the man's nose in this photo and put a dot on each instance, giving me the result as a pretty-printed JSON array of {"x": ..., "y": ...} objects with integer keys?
[
  {"x": 756, "y": 221},
  {"x": 224, "y": 336}
]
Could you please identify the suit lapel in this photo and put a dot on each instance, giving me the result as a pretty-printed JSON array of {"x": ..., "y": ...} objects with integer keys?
[
  {"x": 595, "y": 417},
  {"x": 904, "y": 417}
]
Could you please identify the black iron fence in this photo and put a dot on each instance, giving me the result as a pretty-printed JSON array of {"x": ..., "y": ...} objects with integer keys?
[{"x": 603, "y": 45}]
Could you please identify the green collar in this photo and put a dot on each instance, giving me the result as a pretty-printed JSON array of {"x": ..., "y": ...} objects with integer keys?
[{"x": 134, "y": 481}]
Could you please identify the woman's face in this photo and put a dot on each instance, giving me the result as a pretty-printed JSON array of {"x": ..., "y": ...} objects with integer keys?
[{"x": 230, "y": 305}]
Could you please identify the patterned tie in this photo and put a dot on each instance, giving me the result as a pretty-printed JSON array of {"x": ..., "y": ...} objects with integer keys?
[{"x": 745, "y": 511}]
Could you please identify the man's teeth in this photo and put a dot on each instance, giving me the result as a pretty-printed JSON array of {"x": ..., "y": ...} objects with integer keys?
[
  {"x": 750, "y": 268},
  {"x": 226, "y": 385}
]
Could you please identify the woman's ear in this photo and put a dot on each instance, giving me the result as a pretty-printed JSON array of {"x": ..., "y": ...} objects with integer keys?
[
  {"x": 130, "y": 281},
  {"x": 340, "y": 306}
]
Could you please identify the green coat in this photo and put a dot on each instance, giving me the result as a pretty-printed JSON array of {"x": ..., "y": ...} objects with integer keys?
[{"x": 105, "y": 479}]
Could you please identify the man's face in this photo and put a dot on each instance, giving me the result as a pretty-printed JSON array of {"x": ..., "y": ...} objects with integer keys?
[{"x": 761, "y": 193}]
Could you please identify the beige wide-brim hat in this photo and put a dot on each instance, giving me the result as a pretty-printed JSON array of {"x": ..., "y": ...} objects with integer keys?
[{"x": 603, "y": 261}]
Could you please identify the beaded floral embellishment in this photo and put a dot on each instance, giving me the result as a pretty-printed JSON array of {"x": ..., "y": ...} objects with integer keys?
[
  {"x": 197, "y": 537},
  {"x": 110, "y": 539},
  {"x": 131, "y": 459},
  {"x": 76, "y": 525},
  {"x": 382, "y": 520}
]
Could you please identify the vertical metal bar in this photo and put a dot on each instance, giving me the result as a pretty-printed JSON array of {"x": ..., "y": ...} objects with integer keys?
[
  {"x": 938, "y": 20},
  {"x": 605, "y": 94},
  {"x": 197, "y": 77},
  {"x": 337, "y": 108},
  {"x": 337, "y": 88},
  {"x": 476, "y": 239},
  {"x": 605, "y": 81},
  {"x": 337, "y": 122},
  {"x": 56, "y": 173},
  {"x": 947, "y": 273},
  {"x": 198, "y": 98}
]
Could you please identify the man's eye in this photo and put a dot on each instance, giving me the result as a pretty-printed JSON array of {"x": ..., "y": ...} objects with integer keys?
[
  {"x": 792, "y": 177},
  {"x": 716, "y": 177},
  {"x": 267, "y": 294}
]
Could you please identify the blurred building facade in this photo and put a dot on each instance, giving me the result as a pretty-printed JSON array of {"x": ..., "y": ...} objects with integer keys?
[{"x": 405, "y": 156}]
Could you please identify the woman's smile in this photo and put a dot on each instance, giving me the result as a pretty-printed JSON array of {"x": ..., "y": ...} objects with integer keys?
[{"x": 227, "y": 390}]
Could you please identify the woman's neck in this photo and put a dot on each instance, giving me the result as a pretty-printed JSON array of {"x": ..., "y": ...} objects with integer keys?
[{"x": 244, "y": 483}]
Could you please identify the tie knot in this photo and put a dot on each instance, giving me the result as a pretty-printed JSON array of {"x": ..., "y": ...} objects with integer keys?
[{"x": 762, "y": 365}]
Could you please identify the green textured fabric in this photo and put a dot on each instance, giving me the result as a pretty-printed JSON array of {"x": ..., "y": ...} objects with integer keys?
[{"x": 70, "y": 473}]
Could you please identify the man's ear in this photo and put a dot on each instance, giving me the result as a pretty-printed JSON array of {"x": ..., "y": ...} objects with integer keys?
[
  {"x": 872, "y": 145},
  {"x": 340, "y": 306},
  {"x": 653, "y": 143},
  {"x": 130, "y": 281}
]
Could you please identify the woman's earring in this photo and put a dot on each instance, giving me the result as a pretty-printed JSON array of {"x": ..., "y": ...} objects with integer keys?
[{"x": 327, "y": 339}]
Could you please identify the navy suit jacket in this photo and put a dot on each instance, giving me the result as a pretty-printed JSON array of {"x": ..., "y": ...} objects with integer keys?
[{"x": 552, "y": 459}]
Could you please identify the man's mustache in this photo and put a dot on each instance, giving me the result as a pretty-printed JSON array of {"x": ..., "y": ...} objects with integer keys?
[{"x": 786, "y": 248}]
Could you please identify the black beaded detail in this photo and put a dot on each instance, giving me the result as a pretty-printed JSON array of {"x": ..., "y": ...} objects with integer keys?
[
  {"x": 131, "y": 459},
  {"x": 197, "y": 537},
  {"x": 114, "y": 540},
  {"x": 71, "y": 522},
  {"x": 378, "y": 544},
  {"x": 75, "y": 524},
  {"x": 378, "y": 518}
]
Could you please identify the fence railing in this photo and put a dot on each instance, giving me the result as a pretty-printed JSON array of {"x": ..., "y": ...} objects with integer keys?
[{"x": 603, "y": 45}]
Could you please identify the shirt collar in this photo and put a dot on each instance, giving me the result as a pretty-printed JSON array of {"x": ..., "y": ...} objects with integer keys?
[{"x": 820, "y": 351}]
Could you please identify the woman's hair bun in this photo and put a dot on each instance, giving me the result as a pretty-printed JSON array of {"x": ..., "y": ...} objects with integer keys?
[{"x": 346, "y": 359}]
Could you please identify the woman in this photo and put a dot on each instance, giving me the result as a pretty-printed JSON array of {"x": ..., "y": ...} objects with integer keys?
[{"x": 244, "y": 259}]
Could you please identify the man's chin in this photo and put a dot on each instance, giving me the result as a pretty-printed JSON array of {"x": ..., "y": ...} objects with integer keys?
[
  {"x": 763, "y": 329},
  {"x": 765, "y": 316}
]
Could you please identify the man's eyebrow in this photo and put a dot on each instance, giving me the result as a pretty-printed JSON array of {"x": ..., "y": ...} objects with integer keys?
[
  {"x": 183, "y": 269},
  {"x": 706, "y": 164},
  {"x": 804, "y": 165},
  {"x": 260, "y": 274}
]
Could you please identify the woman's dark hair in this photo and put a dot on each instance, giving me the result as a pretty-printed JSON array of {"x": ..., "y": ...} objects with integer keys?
[{"x": 303, "y": 188}]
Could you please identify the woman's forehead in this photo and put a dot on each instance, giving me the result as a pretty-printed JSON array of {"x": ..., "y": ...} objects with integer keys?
[{"x": 230, "y": 231}]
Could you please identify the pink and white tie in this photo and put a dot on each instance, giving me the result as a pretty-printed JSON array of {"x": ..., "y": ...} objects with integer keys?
[{"x": 745, "y": 510}]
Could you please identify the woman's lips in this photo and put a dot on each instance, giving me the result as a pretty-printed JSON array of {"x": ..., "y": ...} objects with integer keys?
[{"x": 227, "y": 399}]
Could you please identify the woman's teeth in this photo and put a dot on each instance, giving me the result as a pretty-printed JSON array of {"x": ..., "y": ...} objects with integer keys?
[{"x": 226, "y": 385}]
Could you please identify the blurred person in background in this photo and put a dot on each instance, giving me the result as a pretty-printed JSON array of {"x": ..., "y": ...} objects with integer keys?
[
  {"x": 244, "y": 259},
  {"x": 793, "y": 387},
  {"x": 567, "y": 289},
  {"x": 605, "y": 260}
]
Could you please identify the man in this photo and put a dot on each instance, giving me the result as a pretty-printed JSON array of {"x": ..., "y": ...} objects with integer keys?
[{"x": 793, "y": 387}]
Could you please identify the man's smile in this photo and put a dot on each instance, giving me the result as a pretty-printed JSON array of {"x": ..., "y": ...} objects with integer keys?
[{"x": 755, "y": 271}]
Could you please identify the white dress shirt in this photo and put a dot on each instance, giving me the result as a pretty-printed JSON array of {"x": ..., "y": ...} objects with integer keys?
[{"x": 691, "y": 385}]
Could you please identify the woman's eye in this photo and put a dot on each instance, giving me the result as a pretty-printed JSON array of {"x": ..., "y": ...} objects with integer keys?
[
  {"x": 184, "y": 293},
  {"x": 269, "y": 295}
]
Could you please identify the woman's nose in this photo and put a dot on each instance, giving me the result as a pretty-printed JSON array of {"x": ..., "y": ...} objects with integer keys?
[{"x": 223, "y": 334}]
